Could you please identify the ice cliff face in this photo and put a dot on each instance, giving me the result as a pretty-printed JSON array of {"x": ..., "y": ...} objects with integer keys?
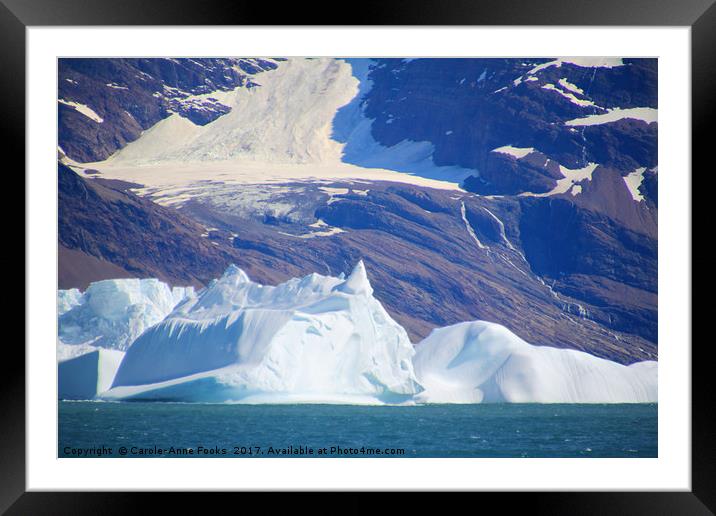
[
  {"x": 85, "y": 376},
  {"x": 478, "y": 361},
  {"x": 113, "y": 313},
  {"x": 316, "y": 338}
]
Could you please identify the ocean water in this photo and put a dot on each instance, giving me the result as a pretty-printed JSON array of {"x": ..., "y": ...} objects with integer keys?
[{"x": 134, "y": 429}]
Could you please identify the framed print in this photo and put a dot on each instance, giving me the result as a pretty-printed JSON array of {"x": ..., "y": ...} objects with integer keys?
[{"x": 423, "y": 252}]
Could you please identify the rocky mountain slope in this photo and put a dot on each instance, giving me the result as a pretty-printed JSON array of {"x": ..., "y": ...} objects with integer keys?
[
  {"x": 554, "y": 233},
  {"x": 108, "y": 232},
  {"x": 468, "y": 107},
  {"x": 466, "y": 260}
]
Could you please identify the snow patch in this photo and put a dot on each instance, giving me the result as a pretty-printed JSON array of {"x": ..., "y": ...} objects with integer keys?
[
  {"x": 571, "y": 177},
  {"x": 569, "y": 96},
  {"x": 332, "y": 192},
  {"x": 571, "y": 87},
  {"x": 516, "y": 152},
  {"x": 320, "y": 224},
  {"x": 646, "y": 114},
  {"x": 84, "y": 109},
  {"x": 585, "y": 62},
  {"x": 633, "y": 181}
]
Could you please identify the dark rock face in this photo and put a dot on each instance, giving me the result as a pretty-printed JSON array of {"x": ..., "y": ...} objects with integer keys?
[
  {"x": 624, "y": 145},
  {"x": 650, "y": 188},
  {"x": 597, "y": 244},
  {"x": 468, "y": 107},
  {"x": 627, "y": 87},
  {"x": 108, "y": 232},
  {"x": 589, "y": 256},
  {"x": 421, "y": 198},
  {"x": 131, "y": 95},
  {"x": 506, "y": 175},
  {"x": 379, "y": 211}
]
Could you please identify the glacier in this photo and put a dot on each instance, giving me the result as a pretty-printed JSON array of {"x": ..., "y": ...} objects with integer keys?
[
  {"x": 316, "y": 339},
  {"x": 303, "y": 121},
  {"x": 113, "y": 313}
]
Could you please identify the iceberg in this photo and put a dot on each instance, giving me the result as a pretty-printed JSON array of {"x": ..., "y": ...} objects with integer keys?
[
  {"x": 476, "y": 362},
  {"x": 314, "y": 339},
  {"x": 113, "y": 313}
]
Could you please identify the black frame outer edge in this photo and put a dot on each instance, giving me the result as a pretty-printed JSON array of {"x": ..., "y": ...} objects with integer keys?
[{"x": 16, "y": 15}]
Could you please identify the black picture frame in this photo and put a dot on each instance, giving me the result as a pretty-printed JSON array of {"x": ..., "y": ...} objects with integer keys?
[{"x": 17, "y": 15}]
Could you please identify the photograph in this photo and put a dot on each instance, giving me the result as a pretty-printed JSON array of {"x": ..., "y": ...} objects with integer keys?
[{"x": 331, "y": 257}]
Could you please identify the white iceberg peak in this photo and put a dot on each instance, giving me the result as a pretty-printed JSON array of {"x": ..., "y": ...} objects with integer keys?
[{"x": 357, "y": 282}]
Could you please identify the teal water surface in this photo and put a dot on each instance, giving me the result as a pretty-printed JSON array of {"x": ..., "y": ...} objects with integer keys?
[{"x": 489, "y": 430}]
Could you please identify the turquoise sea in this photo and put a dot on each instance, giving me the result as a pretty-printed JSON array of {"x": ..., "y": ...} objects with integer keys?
[{"x": 134, "y": 429}]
